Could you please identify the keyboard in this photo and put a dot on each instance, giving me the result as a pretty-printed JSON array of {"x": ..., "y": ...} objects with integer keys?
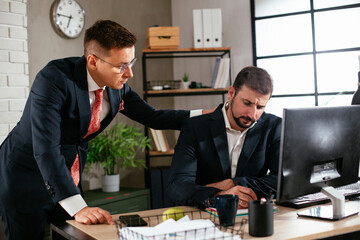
[{"x": 349, "y": 191}]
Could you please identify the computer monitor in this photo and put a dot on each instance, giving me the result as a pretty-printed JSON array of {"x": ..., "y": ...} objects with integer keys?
[{"x": 320, "y": 150}]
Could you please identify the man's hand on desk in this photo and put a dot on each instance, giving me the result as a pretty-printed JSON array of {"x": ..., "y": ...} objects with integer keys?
[
  {"x": 222, "y": 185},
  {"x": 93, "y": 215},
  {"x": 245, "y": 195}
]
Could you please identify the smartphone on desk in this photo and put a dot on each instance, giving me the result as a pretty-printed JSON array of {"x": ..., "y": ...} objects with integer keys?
[{"x": 132, "y": 220}]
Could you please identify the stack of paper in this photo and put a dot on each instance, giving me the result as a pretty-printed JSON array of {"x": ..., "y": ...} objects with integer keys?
[{"x": 182, "y": 229}]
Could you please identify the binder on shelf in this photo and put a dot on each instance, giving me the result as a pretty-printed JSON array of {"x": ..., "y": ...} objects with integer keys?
[
  {"x": 198, "y": 28},
  {"x": 222, "y": 78},
  {"x": 207, "y": 28},
  {"x": 216, "y": 24},
  {"x": 155, "y": 139},
  {"x": 162, "y": 140},
  {"x": 215, "y": 72},
  {"x": 225, "y": 73},
  {"x": 161, "y": 143},
  {"x": 219, "y": 73},
  {"x": 207, "y": 24}
]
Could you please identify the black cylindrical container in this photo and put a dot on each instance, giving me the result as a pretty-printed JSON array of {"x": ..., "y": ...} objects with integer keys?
[{"x": 261, "y": 218}]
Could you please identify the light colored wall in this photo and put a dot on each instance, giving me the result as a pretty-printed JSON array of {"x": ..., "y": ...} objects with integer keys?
[
  {"x": 14, "y": 58},
  {"x": 236, "y": 28}
]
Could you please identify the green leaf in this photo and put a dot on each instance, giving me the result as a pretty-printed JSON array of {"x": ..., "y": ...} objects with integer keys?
[{"x": 118, "y": 146}]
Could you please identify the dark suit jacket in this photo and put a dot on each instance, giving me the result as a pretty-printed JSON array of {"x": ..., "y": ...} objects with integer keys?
[
  {"x": 36, "y": 156},
  {"x": 202, "y": 157}
]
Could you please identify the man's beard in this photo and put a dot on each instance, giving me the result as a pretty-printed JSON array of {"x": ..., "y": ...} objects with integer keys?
[{"x": 237, "y": 119}]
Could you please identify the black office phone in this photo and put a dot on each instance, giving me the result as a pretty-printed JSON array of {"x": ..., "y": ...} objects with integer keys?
[{"x": 132, "y": 220}]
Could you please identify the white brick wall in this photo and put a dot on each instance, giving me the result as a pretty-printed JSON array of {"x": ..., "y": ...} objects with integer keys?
[
  {"x": 4, "y": 31},
  {"x": 4, "y": 56},
  {"x": 4, "y": 106},
  {"x": 14, "y": 63},
  {"x": 4, "y": 6},
  {"x": 3, "y": 80},
  {"x": 17, "y": 32}
]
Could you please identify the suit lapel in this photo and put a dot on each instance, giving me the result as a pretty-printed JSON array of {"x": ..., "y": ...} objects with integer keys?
[
  {"x": 251, "y": 141},
  {"x": 218, "y": 132},
  {"x": 82, "y": 95}
]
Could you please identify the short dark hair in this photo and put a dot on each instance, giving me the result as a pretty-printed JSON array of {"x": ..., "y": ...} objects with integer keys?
[
  {"x": 109, "y": 35},
  {"x": 255, "y": 78}
]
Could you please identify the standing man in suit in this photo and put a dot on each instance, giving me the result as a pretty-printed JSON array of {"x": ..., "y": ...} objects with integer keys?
[
  {"x": 234, "y": 150},
  {"x": 42, "y": 158}
]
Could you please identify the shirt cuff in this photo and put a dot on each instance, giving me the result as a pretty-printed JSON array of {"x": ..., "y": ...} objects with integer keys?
[
  {"x": 194, "y": 113},
  {"x": 73, "y": 204}
]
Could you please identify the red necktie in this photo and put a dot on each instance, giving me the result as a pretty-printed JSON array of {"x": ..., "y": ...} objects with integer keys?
[{"x": 93, "y": 127}]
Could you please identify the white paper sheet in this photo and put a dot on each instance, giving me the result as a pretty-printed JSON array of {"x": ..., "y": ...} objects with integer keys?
[{"x": 182, "y": 229}]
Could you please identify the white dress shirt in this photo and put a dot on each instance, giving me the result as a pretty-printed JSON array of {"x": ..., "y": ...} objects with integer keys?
[
  {"x": 236, "y": 141},
  {"x": 75, "y": 203}
]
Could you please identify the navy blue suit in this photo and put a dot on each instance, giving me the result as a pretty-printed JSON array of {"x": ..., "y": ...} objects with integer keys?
[
  {"x": 202, "y": 157},
  {"x": 37, "y": 155}
]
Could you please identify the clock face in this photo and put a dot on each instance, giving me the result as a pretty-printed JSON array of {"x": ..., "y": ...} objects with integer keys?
[{"x": 67, "y": 18}]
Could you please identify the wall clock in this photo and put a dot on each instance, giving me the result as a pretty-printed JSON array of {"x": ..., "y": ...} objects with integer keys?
[{"x": 67, "y": 18}]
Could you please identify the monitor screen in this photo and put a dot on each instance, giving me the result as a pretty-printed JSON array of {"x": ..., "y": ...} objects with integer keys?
[{"x": 320, "y": 147}]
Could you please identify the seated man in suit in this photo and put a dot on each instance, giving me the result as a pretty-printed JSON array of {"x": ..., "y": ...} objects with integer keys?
[{"x": 234, "y": 150}]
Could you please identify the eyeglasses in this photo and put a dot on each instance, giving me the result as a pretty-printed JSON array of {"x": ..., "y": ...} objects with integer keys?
[{"x": 121, "y": 67}]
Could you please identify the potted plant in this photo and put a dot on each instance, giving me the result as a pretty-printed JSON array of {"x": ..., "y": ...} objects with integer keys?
[
  {"x": 185, "y": 82},
  {"x": 117, "y": 147}
]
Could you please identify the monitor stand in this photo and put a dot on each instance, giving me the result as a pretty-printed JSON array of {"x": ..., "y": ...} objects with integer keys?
[{"x": 333, "y": 212}]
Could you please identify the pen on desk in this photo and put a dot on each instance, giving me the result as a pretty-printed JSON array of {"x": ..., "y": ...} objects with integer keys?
[
  {"x": 269, "y": 200},
  {"x": 262, "y": 201}
]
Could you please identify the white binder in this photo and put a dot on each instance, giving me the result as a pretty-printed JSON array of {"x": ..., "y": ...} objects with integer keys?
[
  {"x": 216, "y": 27},
  {"x": 222, "y": 79},
  {"x": 225, "y": 73},
  {"x": 215, "y": 72},
  {"x": 198, "y": 28},
  {"x": 219, "y": 74},
  {"x": 207, "y": 27}
]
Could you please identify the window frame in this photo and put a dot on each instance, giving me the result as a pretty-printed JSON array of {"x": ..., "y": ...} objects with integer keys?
[{"x": 314, "y": 52}]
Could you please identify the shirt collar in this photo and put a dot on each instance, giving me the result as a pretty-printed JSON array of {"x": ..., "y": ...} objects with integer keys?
[
  {"x": 227, "y": 123},
  {"x": 92, "y": 85}
]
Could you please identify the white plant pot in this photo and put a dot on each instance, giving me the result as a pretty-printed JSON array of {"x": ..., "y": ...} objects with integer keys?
[
  {"x": 185, "y": 85},
  {"x": 111, "y": 183}
]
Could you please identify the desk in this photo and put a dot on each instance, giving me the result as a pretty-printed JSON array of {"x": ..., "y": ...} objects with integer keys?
[{"x": 286, "y": 226}]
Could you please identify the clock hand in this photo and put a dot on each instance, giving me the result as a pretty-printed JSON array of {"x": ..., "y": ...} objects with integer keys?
[
  {"x": 63, "y": 15},
  {"x": 69, "y": 21}
]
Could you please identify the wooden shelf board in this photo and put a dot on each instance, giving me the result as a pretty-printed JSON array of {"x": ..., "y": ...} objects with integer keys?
[
  {"x": 153, "y": 153},
  {"x": 193, "y": 90},
  {"x": 148, "y": 50}
]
